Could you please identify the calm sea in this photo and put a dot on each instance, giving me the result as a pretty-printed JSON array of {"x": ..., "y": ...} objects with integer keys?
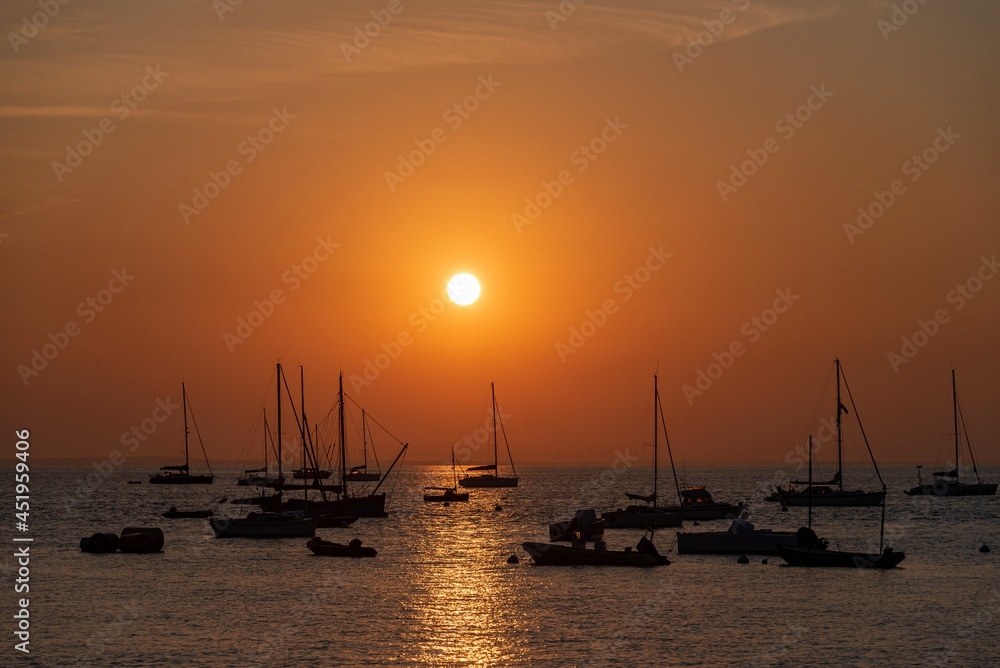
[{"x": 441, "y": 593}]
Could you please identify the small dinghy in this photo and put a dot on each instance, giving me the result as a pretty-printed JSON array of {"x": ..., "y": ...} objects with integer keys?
[
  {"x": 353, "y": 549},
  {"x": 199, "y": 514},
  {"x": 99, "y": 543},
  {"x": 325, "y": 519},
  {"x": 141, "y": 540},
  {"x": 446, "y": 495}
]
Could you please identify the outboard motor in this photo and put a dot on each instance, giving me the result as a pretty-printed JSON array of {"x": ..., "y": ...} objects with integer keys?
[
  {"x": 807, "y": 538},
  {"x": 645, "y": 546}
]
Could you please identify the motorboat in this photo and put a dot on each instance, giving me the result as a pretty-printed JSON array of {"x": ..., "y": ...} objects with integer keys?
[
  {"x": 551, "y": 554},
  {"x": 742, "y": 537},
  {"x": 585, "y": 526}
]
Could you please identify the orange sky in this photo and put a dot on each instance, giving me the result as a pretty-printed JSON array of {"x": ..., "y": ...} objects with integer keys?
[{"x": 312, "y": 129}]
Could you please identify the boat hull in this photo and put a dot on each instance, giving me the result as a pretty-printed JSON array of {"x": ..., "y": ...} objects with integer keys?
[
  {"x": 487, "y": 481},
  {"x": 724, "y": 542},
  {"x": 325, "y": 548},
  {"x": 640, "y": 517},
  {"x": 326, "y": 521},
  {"x": 193, "y": 514},
  {"x": 954, "y": 489},
  {"x": 714, "y": 511},
  {"x": 181, "y": 479},
  {"x": 311, "y": 475},
  {"x": 353, "y": 506},
  {"x": 263, "y": 526},
  {"x": 259, "y": 481},
  {"x": 141, "y": 540},
  {"x": 447, "y": 497},
  {"x": 548, "y": 554},
  {"x": 567, "y": 531},
  {"x": 856, "y": 499},
  {"x": 804, "y": 556}
]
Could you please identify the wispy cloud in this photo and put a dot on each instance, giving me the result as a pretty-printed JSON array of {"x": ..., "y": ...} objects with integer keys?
[
  {"x": 263, "y": 45},
  {"x": 59, "y": 200}
]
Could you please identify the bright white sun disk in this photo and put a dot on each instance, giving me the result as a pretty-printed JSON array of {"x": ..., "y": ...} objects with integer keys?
[{"x": 463, "y": 289}]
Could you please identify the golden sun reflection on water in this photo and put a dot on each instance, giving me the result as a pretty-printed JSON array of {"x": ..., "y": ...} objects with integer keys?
[{"x": 472, "y": 603}]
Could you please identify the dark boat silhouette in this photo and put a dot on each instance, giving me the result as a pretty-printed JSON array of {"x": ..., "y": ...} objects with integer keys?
[
  {"x": 832, "y": 492},
  {"x": 199, "y": 514},
  {"x": 447, "y": 494},
  {"x": 812, "y": 551},
  {"x": 947, "y": 483},
  {"x": 354, "y": 549},
  {"x": 645, "y": 555},
  {"x": 487, "y": 479},
  {"x": 181, "y": 474}
]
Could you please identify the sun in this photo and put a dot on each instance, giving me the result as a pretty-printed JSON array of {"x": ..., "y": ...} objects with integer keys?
[{"x": 463, "y": 289}]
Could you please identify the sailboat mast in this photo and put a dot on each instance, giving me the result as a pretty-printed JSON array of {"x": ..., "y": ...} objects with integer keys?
[
  {"x": 303, "y": 429},
  {"x": 840, "y": 436},
  {"x": 810, "y": 517},
  {"x": 184, "y": 401},
  {"x": 670, "y": 453},
  {"x": 343, "y": 442},
  {"x": 278, "y": 384},
  {"x": 656, "y": 432},
  {"x": 364, "y": 440},
  {"x": 496, "y": 459},
  {"x": 954, "y": 407}
]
